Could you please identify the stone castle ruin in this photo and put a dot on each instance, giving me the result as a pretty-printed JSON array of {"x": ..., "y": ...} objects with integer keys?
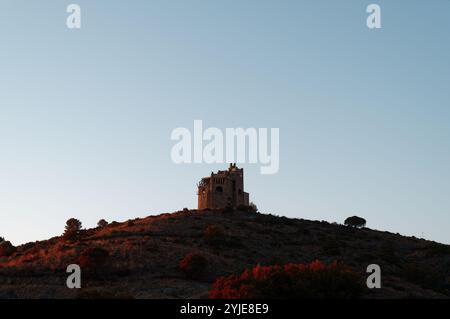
[{"x": 223, "y": 189}]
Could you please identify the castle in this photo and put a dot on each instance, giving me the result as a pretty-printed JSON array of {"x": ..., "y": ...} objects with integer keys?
[{"x": 223, "y": 189}]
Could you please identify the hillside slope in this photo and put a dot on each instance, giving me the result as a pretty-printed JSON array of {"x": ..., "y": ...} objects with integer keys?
[{"x": 144, "y": 255}]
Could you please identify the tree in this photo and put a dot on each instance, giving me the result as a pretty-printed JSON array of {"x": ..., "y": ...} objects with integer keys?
[
  {"x": 72, "y": 229},
  {"x": 102, "y": 223},
  {"x": 355, "y": 221}
]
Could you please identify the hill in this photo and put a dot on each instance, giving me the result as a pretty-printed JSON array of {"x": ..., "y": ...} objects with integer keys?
[{"x": 143, "y": 256}]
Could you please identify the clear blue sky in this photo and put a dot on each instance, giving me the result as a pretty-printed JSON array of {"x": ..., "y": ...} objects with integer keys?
[{"x": 86, "y": 115}]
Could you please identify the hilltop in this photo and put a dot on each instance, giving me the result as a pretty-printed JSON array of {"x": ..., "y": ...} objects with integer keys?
[{"x": 144, "y": 256}]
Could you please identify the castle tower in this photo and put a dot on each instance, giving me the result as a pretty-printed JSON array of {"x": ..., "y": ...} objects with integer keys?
[{"x": 223, "y": 189}]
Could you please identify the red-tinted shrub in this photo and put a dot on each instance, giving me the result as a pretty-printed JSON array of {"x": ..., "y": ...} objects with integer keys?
[
  {"x": 292, "y": 281},
  {"x": 193, "y": 266}
]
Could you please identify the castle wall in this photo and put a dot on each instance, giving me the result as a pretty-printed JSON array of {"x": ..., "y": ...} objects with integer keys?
[{"x": 223, "y": 189}]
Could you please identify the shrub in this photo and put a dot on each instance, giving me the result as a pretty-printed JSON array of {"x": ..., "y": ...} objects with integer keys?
[
  {"x": 253, "y": 207},
  {"x": 62, "y": 247},
  {"x": 27, "y": 246},
  {"x": 72, "y": 229},
  {"x": 247, "y": 208},
  {"x": 193, "y": 266},
  {"x": 6, "y": 249},
  {"x": 292, "y": 281},
  {"x": 355, "y": 221},
  {"x": 93, "y": 259},
  {"x": 102, "y": 223}
]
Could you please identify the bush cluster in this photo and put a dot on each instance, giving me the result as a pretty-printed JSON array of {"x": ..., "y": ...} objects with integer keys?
[{"x": 292, "y": 281}]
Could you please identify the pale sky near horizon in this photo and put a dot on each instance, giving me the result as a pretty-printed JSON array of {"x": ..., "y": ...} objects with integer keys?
[{"x": 86, "y": 115}]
